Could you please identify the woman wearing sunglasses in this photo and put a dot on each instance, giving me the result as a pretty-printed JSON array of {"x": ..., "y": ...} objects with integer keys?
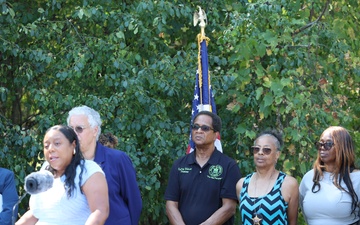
[
  {"x": 268, "y": 196},
  {"x": 329, "y": 193}
]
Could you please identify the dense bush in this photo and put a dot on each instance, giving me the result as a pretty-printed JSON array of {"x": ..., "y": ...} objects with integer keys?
[{"x": 281, "y": 64}]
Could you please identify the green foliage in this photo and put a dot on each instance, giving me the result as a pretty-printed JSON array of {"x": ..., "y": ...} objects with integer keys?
[{"x": 290, "y": 65}]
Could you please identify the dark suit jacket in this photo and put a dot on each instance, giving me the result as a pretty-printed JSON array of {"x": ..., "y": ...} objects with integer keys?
[
  {"x": 124, "y": 194},
  {"x": 9, "y": 196}
]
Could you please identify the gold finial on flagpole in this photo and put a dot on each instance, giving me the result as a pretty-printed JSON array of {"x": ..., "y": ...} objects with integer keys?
[{"x": 200, "y": 17}]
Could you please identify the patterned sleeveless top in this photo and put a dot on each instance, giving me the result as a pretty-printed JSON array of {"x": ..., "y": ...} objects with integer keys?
[{"x": 271, "y": 207}]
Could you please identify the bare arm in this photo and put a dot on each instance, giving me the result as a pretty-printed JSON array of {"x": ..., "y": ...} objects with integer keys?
[
  {"x": 173, "y": 213},
  {"x": 224, "y": 213},
  {"x": 96, "y": 192},
  {"x": 239, "y": 185},
  {"x": 27, "y": 219},
  {"x": 290, "y": 192}
]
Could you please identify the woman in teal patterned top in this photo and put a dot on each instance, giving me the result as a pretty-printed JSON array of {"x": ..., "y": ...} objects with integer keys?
[{"x": 268, "y": 196}]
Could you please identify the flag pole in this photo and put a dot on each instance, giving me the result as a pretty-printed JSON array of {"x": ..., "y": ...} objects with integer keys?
[
  {"x": 203, "y": 98},
  {"x": 200, "y": 17}
]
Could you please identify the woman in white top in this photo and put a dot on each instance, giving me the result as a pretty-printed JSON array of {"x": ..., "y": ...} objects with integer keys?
[
  {"x": 79, "y": 194},
  {"x": 329, "y": 193}
]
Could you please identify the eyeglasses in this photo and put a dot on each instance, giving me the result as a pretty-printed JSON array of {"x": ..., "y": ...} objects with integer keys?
[
  {"x": 203, "y": 127},
  {"x": 265, "y": 150},
  {"x": 79, "y": 129},
  {"x": 327, "y": 145}
]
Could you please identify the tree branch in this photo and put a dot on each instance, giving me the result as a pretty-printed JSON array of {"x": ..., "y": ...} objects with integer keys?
[{"x": 313, "y": 22}]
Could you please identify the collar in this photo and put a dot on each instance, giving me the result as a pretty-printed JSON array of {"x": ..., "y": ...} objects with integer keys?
[
  {"x": 214, "y": 158},
  {"x": 99, "y": 153}
]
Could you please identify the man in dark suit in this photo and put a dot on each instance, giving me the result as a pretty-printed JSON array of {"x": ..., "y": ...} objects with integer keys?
[{"x": 8, "y": 196}]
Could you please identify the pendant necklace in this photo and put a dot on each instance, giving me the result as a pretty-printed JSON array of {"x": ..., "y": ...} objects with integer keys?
[
  {"x": 257, "y": 215},
  {"x": 257, "y": 218}
]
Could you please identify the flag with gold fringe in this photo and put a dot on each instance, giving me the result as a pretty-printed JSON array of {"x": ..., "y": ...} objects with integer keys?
[{"x": 203, "y": 96}]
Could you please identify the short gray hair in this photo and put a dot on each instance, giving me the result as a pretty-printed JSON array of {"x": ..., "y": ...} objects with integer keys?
[
  {"x": 278, "y": 137},
  {"x": 92, "y": 115}
]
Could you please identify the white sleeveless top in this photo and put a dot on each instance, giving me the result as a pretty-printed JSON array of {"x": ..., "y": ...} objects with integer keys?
[{"x": 54, "y": 207}]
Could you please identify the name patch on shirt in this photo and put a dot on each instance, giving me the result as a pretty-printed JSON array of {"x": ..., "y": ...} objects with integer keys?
[
  {"x": 184, "y": 169},
  {"x": 215, "y": 172}
]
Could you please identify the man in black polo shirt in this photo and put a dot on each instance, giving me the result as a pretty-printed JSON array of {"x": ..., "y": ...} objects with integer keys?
[{"x": 202, "y": 184}]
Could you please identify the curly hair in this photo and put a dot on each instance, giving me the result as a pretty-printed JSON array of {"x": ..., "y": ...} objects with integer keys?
[
  {"x": 92, "y": 115},
  {"x": 108, "y": 140}
]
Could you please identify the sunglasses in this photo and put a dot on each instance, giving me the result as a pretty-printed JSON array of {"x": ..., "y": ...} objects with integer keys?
[
  {"x": 79, "y": 129},
  {"x": 265, "y": 150},
  {"x": 203, "y": 127},
  {"x": 327, "y": 145}
]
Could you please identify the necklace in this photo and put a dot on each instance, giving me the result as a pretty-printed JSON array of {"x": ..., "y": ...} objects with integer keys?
[
  {"x": 257, "y": 215},
  {"x": 256, "y": 219}
]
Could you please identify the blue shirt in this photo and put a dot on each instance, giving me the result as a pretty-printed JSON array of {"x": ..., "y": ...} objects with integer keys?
[
  {"x": 9, "y": 196},
  {"x": 124, "y": 194}
]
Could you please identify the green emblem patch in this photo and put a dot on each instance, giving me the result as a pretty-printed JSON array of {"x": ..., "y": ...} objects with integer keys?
[{"x": 215, "y": 172}]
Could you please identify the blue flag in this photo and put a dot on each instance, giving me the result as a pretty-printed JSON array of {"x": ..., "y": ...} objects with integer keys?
[{"x": 203, "y": 96}]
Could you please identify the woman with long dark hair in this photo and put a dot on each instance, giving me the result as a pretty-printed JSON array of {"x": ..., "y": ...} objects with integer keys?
[
  {"x": 79, "y": 194},
  {"x": 329, "y": 193}
]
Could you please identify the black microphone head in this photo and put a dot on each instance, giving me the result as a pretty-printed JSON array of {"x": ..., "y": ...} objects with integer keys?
[{"x": 38, "y": 182}]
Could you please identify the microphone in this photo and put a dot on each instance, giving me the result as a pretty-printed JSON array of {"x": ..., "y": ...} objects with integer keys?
[{"x": 37, "y": 182}]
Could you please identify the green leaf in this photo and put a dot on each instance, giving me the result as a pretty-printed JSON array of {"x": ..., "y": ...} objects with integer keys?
[
  {"x": 268, "y": 99},
  {"x": 259, "y": 92},
  {"x": 277, "y": 88}
]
